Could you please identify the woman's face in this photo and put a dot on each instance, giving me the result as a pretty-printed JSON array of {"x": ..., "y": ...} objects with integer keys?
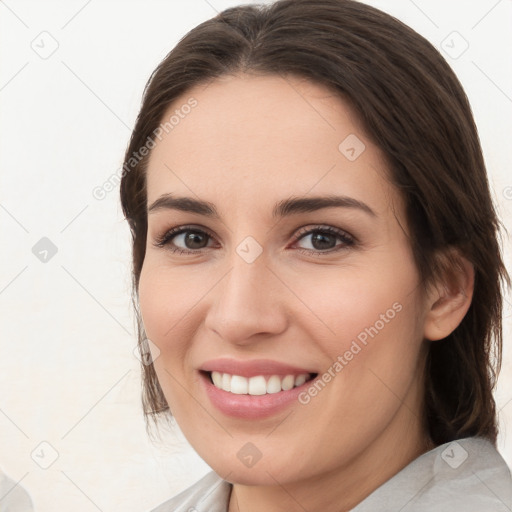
[{"x": 265, "y": 284}]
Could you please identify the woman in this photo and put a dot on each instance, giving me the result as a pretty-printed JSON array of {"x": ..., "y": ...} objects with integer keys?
[{"x": 350, "y": 375}]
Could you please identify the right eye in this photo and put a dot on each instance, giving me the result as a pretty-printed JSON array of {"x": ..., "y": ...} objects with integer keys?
[{"x": 192, "y": 240}]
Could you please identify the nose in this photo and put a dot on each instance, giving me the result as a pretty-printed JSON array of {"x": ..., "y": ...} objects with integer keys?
[{"x": 248, "y": 304}]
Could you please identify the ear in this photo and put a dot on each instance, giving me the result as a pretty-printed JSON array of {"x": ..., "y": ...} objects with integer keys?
[{"x": 448, "y": 300}]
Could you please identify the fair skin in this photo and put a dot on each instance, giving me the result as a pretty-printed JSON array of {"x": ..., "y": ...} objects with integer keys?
[{"x": 251, "y": 142}]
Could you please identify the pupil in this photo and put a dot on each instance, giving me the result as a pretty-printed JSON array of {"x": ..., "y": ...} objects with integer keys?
[
  {"x": 319, "y": 237},
  {"x": 192, "y": 238}
]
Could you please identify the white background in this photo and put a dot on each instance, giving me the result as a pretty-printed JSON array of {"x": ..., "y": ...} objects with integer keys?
[{"x": 67, "y": 372}]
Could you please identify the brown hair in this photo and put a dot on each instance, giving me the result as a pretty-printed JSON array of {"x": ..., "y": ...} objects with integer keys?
[{"x": 414, "y": 108}]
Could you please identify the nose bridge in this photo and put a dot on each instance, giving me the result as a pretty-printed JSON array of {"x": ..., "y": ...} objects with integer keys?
[{"x": 246, "y": 302}]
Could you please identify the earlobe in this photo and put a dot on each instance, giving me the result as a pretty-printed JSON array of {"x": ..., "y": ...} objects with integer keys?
[{"x": 449, "y": 300}]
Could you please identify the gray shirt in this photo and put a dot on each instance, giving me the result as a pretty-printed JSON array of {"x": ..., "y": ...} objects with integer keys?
[
  {"x": 13, "y": 497},
  {"x": 467, "y": 475}
]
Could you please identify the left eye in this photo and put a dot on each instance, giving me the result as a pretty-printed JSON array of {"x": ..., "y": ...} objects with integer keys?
[{"x": 323, "y": 240}]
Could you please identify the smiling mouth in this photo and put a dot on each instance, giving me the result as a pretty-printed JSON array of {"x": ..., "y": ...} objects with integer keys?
[{"x": 257, "y": 385}]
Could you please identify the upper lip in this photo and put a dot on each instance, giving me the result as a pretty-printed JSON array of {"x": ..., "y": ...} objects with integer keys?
[{"x": 251, "y": 368}]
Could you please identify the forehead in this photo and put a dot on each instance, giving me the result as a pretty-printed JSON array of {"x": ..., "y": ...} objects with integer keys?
[{"x": 248, "y": 138}]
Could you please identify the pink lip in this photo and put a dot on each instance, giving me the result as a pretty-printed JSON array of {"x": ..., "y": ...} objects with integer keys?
[
  {"x": 249, "y": 406},
  {"x": 251, "y": 368}
]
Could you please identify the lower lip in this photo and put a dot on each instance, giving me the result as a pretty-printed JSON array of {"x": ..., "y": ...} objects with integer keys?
[{"x": 251, "y": 406}]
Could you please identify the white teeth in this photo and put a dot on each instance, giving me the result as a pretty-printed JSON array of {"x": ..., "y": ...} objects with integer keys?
[
  {"x": 256, "y": 385},
  {"x": 299, "y": 380},
  {"x": 226, "y": 382},
  {"x": 217, "y": 379},
  {"x": 274, "y": 384},
  {"x": 288, "y": 382},
  {"x": 239, "y": 385}
]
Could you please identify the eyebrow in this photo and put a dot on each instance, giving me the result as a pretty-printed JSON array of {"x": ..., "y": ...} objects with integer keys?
[{"x": 284, "y": 208}]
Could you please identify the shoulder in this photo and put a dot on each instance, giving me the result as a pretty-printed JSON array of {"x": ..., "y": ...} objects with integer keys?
[
  {"x": 468, "y": 475},
  {"x": 210, "y": 493}
]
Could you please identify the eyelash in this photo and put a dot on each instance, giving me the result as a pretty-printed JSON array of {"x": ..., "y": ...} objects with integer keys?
[{"x": 348, "y": 241}]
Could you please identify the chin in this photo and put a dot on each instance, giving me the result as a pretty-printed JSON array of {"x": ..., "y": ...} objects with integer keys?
[{"x": 263, "y": 471}]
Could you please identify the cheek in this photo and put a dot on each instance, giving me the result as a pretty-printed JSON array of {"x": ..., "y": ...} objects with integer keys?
[
  {"x": 152, "y": 301},
  {"x": 164, "y": 299},
  {"x": 358, "y": 304},
  {"x": 373, "y": 354},
  {"x": 165, "y": 307},
  {"x": 369, "y": 329},
  {"x": 172, "y": 302},
  {"x": 379, "y": 343}
]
